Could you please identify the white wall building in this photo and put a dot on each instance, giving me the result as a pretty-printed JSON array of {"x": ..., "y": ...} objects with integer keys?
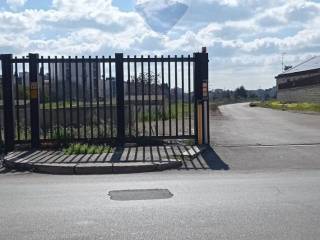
[{"x": 300, "y": 83}]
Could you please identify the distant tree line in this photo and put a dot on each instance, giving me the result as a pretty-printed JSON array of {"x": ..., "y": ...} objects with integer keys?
[{"x": 241, "y": 94}]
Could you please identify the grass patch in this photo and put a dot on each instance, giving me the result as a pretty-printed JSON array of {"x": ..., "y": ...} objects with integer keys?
[
  {"x": 178, "y": 110},
  {"x": 59, "y": 134},
  {"x": 79, "y": 148},
  {"x": 307, "y": 107}
]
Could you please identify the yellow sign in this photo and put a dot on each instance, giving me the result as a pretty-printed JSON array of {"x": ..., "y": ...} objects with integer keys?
[
  {"x": 33, "y": 90},
  {"x": 34, "y": 93}
]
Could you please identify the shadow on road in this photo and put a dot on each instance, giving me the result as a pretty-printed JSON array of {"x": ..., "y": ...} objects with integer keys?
[
  {"x": 4, "y": 170},
  {"x": 213, "y": 160},
  {"x": 207, "y": 160}
]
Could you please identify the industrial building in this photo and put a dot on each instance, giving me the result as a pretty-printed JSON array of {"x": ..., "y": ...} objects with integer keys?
[{"x": 300, "y": 83}]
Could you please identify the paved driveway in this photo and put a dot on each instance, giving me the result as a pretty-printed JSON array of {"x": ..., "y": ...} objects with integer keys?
[{"x": 258, "y": 138}]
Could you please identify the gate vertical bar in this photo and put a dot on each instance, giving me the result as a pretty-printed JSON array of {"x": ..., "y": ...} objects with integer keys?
[
  {"x": 149, "y": 95},
  {"x": 120, "y": 98},
  {"x": 156, "y": 93},
  {"x": 201, "y": 97},
  {"x": 17, "y": 97},
  {"x": 90, "y": 96},
  {"x": 97, "y": 82},
  {"x": 104, "y": 96},
  {"x": 24, "y": 99},
  {"x": 129, "y": 95},
  {"x": 135, "y": 95},
  {"x": 84, "y": 97},
  {"x": 207, "y": 96},
  {"x": 50, "y": 97},
  {"x": 57, "y": 87},
  {"x": 44, "y": 127},
  {"x": 34, "y": 100},
  {"x": 8, "y": 106},
  {"x": 162, "y": 94},
  {"x": 111, "y": 96},
  {"x": 77, "y": 96}
]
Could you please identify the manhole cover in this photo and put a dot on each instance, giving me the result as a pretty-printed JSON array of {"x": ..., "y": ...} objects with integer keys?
[{"x": 140, "y": 194}]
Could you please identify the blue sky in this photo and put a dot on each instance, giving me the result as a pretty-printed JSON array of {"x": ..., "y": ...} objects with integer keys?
[{"x": 245, "y": 38}]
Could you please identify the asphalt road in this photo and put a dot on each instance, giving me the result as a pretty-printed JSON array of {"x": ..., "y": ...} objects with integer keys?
[
  {"x": 271, "y": 191},
  {"x": 205, "y": 205},
  {"x": 239, "y": 124},
  {"x": 260, "y": 139}
]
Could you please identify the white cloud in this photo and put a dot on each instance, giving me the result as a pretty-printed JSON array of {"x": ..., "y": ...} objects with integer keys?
[
  {"x": 238, "y": 46},
  {"x": 14, "y": 4},
  {"x": 232, "y": 3}
]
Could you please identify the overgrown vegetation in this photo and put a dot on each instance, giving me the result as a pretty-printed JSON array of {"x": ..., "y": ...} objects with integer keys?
[
  {"x": 177, "y": 111},
  {"x": 58, "y": 134},
  {"x": 79, "y": 148},
  {"x": 308, "y": 107}
]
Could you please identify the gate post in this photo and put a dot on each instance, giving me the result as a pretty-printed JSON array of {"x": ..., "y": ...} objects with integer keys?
[
  {"x": 120, "y": 98},
  {"x": 34, "y": 100},
  {"x": 8, "y": 105},
  {"x": 201, "y": 100}
]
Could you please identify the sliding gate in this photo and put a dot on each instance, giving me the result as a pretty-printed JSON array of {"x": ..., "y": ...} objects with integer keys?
[{"x": 112, "y": 100}]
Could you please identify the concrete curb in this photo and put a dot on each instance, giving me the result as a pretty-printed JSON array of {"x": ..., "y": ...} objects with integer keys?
[
  {"x": 92, "y": 168},
  {"x": 133, "y": 167}
]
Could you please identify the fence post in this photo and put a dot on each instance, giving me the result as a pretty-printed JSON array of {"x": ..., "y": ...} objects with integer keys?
[
  {"x": 120, "y": 98},
  {"x": 201, "y": 108},
  {"x": 8, "y": 105},
  {"x": 34, "y": 100}
]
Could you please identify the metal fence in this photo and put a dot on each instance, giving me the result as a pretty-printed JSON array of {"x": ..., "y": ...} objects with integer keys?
[
  {"x": 99, "y": 99},
  {"x": 1, "y": 111}
]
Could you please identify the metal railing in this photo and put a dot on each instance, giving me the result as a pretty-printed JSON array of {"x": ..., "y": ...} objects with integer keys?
[{"x": 99, "y": 99}]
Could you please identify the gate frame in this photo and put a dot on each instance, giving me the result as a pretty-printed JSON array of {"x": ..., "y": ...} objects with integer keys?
[
  {"x": 120, "y": 99},
  {"x": 201, "y": 99},
  {"x": 34, "y": 100},
  {"x": 8, "y": 104}
]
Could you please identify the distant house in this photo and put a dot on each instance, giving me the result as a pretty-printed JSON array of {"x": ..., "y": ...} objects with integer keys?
[
  {"x": 23, "y": 77},
  {"x": 300, "y": 83},
  {"x": 109, "y": 82},
  {"x": 86, "y": 72}
]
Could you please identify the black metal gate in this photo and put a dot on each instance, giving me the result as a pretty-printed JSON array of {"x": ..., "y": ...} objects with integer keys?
[{"x": 111, "y": 100}]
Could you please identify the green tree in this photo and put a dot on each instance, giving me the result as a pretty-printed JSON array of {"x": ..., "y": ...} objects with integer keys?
[
  {"x": 144, "y": 77},
  {"x": 240, "y": 93}
]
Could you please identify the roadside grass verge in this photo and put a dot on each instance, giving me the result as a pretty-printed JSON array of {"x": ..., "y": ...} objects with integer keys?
[
  {"x": 214, "y": 106},
  {"x": 278, "y": 105}
]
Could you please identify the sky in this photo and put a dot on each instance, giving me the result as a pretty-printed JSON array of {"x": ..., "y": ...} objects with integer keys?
[{"x": 245, "y": 38}]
